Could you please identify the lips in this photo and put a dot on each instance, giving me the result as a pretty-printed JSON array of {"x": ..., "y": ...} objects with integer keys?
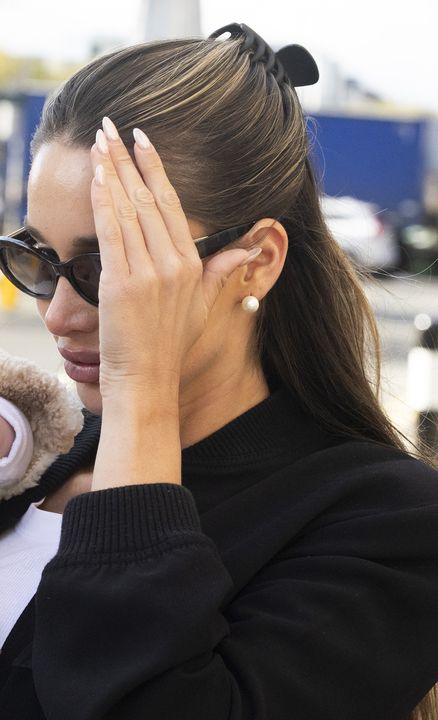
[{"x": 82, "y": 366}]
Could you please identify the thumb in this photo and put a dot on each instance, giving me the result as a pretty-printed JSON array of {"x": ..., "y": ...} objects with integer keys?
[{"x": 219, "y": 268}]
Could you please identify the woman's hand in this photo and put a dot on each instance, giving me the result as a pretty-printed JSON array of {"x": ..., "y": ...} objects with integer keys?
[{"x": 154, "y": 295}]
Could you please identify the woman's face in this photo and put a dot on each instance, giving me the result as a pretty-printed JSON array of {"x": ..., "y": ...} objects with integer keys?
[{"x": 59, "y": 207}]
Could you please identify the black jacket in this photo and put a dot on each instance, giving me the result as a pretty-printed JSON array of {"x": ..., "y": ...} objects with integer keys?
[{"x": 292, "y": 576}]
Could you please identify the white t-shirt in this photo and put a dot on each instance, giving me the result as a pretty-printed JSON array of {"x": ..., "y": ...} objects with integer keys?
[{"x": 24, "y": 552}]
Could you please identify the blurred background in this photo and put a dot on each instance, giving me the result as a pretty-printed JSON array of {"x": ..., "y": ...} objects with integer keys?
[{"x": 372, "y": 123}]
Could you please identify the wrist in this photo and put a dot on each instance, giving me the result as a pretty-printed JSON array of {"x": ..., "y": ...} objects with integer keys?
[
  {"x": 159, "y": 401},
  {"x": 139, "y": 444},
  {"x": 135, "y": 410}
]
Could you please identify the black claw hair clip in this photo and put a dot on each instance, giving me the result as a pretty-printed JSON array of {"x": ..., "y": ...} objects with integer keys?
[{"x": 292, "y": 63}]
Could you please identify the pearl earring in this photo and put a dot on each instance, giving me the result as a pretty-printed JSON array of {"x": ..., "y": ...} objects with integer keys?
[{"x": 250, "y": 303}]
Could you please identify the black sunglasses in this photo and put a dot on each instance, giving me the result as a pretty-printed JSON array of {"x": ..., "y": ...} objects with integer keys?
[{"x": 35, "y": 271}]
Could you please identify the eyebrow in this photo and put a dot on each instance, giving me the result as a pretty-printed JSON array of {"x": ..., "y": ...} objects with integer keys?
[{"x": 82, "y": 242}]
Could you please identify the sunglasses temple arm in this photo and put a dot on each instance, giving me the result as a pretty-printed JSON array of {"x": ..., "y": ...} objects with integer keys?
[{"x": 212, "y": 243}]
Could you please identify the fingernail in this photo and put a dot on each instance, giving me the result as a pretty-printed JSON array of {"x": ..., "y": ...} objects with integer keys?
[
  {"x": 141, "y": 139},
  {"x": 101, "y": 142},
  {"x": 252, "y": 254},
  {"x": 110, "y": 129},
  {"x": 100, "y": 175}
]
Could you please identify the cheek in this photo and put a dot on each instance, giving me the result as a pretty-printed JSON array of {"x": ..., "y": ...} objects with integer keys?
[{"x": 42, "y": 307}]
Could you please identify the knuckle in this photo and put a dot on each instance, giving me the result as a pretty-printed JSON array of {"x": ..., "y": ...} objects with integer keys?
[
  {"x": 110, "y": 171},
  {"x": 154, "y": 163},
  {"x": 127, "y": 211},
  {"x": 144, "y": 198},
  {"x": 123, "y": 158},
  {"x": 135, "y": 287},
  {"x": 102, "y": 202},
  {"x": 112, "y": 234},
  {"x": 169, "y": 198},
  {"x": 147, "y": 279},
  {"x": 172, "y": 270}
]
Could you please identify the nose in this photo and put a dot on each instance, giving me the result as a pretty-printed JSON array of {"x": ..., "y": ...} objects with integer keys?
[{"x": 67, "y": 313}]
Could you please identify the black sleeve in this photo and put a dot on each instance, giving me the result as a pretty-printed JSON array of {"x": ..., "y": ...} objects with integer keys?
[{"x": 136, "y": 616}]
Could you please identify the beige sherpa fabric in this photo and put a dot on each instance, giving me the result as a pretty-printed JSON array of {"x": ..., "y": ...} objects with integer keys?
[{"x": 53, "y": 412}]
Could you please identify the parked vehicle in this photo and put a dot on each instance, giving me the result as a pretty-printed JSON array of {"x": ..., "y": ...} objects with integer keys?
[
  {"x": 361, "y": 232},
  {"x": 419, "y": 249}
]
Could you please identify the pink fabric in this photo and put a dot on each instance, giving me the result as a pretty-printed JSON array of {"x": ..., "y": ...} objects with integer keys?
[{"x": 14, "y": 466}]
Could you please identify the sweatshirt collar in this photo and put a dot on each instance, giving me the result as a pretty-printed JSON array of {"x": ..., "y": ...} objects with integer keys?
[{"x": 261, "y": 432}]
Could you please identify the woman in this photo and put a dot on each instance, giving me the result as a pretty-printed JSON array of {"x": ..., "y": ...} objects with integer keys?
[{"x": 243, "y": 534}]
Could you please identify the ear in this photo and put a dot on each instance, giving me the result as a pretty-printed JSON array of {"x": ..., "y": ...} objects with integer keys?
[{"x": 259, "y": 276}]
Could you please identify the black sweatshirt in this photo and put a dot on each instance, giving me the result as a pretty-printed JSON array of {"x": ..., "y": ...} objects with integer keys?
[{"x": 293, "y": 576}]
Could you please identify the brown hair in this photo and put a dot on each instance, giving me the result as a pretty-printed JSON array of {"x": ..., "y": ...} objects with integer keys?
[{"x": 235, "y": 146}]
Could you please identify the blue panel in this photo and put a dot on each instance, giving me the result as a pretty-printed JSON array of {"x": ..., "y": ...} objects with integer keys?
[
  {"x": 376, "y": 160},
  {"x": 32, "y": 106}
]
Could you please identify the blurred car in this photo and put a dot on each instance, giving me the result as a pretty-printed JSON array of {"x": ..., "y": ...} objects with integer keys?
[
  {"x": 362, "y": 232},
  {"x": 419, "y": 248}
]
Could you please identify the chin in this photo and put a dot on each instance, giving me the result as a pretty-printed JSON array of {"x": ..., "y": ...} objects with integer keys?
[{"x": 89, "y": 394}]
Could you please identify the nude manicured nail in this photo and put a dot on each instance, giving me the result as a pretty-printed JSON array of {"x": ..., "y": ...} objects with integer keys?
[
  {"x": 110, "y": 129},
  {"x": 252, "y": 254},
  {"x": 101, "y": 142},
  {"x": 141, "y": 139}
]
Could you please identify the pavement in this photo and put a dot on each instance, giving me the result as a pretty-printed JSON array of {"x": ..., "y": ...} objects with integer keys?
[{"x": 396, "y": 303}]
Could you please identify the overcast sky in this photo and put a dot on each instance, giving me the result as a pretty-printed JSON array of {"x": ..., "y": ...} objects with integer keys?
[{"x": 391, "y": 46}]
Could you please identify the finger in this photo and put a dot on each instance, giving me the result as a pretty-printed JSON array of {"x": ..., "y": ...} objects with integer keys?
[
  {"x": 220, "y": 267},
  {"x": 112, "y": 251},
  {"x": 165, "y": 195},
  {"x": 137, "y": 254},
  {"x": 130, "y": 188}
]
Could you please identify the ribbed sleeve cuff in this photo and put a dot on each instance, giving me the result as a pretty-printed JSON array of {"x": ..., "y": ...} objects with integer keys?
[{"x": 127, "y": 519}]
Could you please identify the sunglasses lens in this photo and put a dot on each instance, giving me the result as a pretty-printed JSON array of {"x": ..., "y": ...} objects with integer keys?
[
  {"x": 30, "y": 271},
  {"x": 86, "y": 272}
]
